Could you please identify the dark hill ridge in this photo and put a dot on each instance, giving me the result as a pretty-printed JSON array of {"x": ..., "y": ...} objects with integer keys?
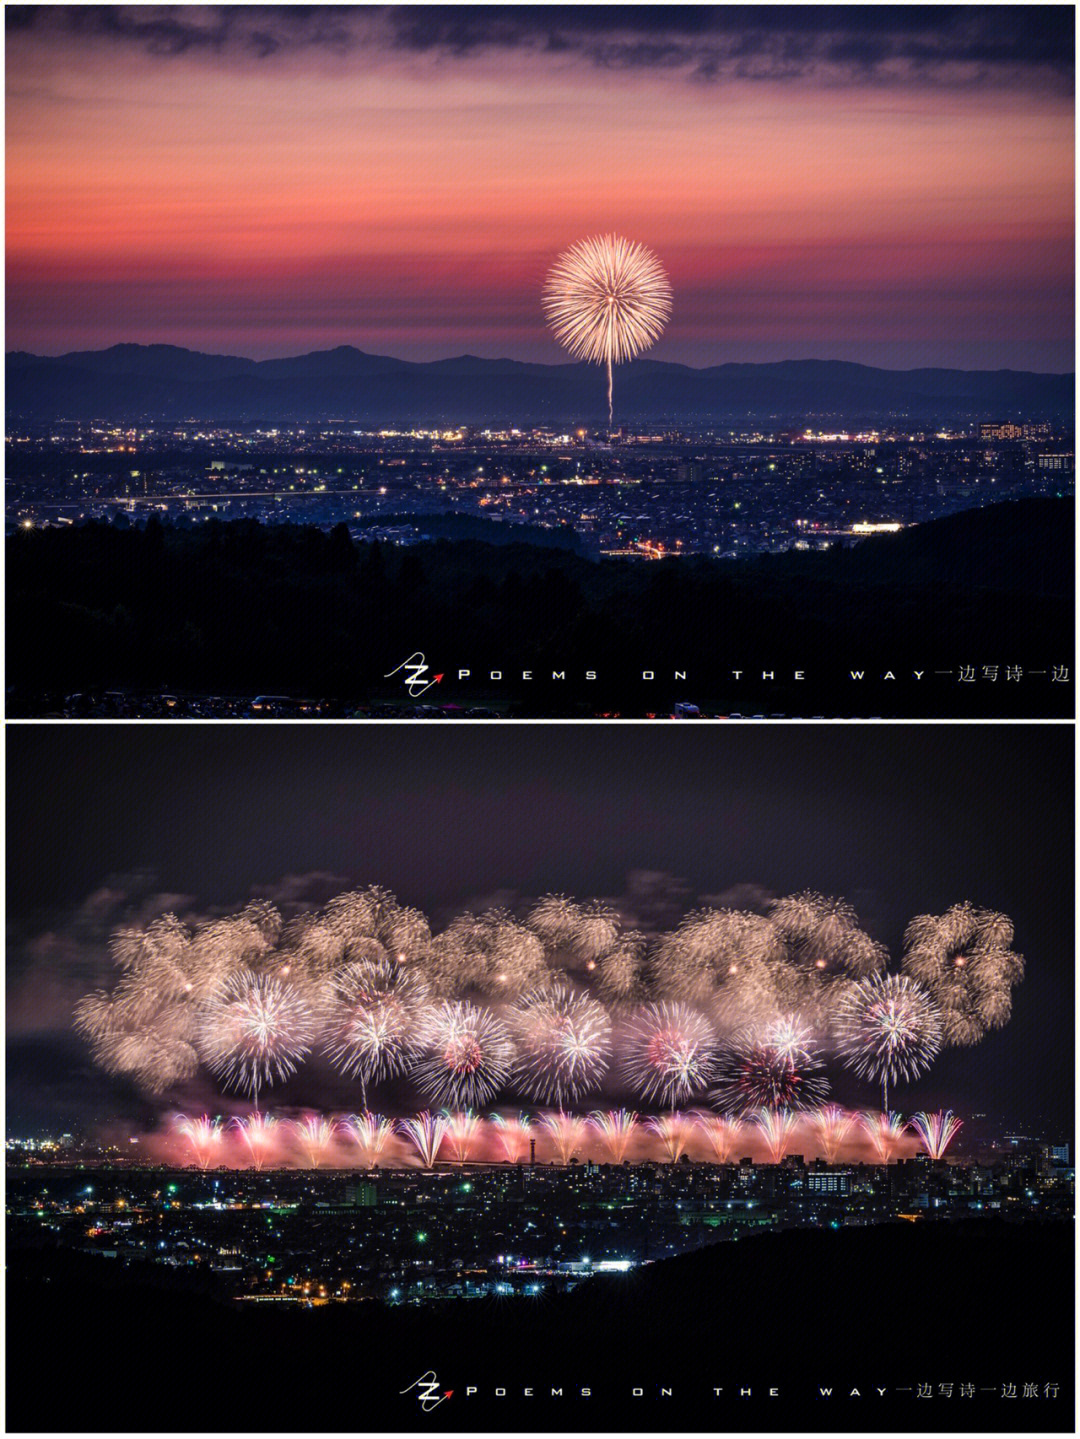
[
  {"x": 167, "y": 382},
  {"x": 892, "y": 1305}
]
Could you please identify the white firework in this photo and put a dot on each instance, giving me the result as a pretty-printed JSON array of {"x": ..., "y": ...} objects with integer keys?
[{"x": 607, "y": 299}]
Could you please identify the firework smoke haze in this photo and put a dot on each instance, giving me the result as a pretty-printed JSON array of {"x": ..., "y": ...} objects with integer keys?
[
  {"x": 963, "y": 957},
  {"x": 606, "y": 300}
]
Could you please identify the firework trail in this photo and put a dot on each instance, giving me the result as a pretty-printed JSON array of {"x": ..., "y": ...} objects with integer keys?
[
  {"x": 375, "y": 1020},
  {"x": 887, "y": 1028},
  {"x": 673, "y": 1131},
  {"x": 885, "y": 1130},
  {"x": 258, "y": 1134},
  {"x": 963, "y": 958},
  {"x": 832, "y": 1124},
  {"x": 669, "y": 1052},
  {"x": 254, "y": 1030},
  {"x": 936, "y": 1131},
  {"x": 315, "y": 1134},
  {"x": 469, "y": 1056},
  {"x": 563, "y": 1041},
  {"x": 777, "y": 1127},
  {"x": 774, "y": 1066},
  {"x": 425, "y": 1132},
  {"x": 203, "y": 1134},
  {"x": 370, "y": 1133},
  {"x": 462, "y": 1131},
  {"x": 513, "y": 1135},
  {"x": 567, "y": 1130},
  {"x": 616, "y": 1128},
  {"x": 607, "y": 299}
]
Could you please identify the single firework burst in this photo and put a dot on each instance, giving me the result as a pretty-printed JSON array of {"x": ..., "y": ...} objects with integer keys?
[
  {"x": 673, "y": 1131},
  {"x": 203, "y": 1134},
  {"x": 370, "y": 1133},
  {"x": 563, "y": 1040},
  {"x": 256, "y": 1030},
  {"x": 567, "y": 1132},
  {"x": 463, "y": 1131},
  {"x": 257, "y": 1131},
  {"x": 832, "y": 1124},
  {"x": 314, "y": 1132},
  {"x": 721, "y": 1130},
  {"x": 963, "y": 957},
  {"x": 888, "y": 1029},
  {"x": 606, "y": 300},
  {"x": 374, "y": 1020},
  {"x": 776, "y": 1126},
  {"x": 669, "y": 1052},
  {"x": 469, "y": 1056},
  {"x": 774, "y": 1066}
]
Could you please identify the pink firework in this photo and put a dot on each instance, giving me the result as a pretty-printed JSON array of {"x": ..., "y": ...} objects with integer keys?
[
  {"x": 370, "y": 1133},
  {"x": 721, "y": 1130},
  {"x": 936, "y": 1131},
  {"x": 315, "y": 1134},
  {"x": 669, "y": 1052},
  {"x": 832, "y": 1124},
  {"x": 776, "y": 1126},
  {"x": 673, "y": 1131},
  {"x": 258, "y": 1134},
  {"x": 567, "y": 1130},
  {"x": 616, "y": 1128},
  {"x": 885, "y": 1131},
  {"x": 469, "y": 1057},
  {"x": 462, "y": 1130},
  {"x": 513, "y": 1135},
  {"x": 203, "y": 1134},
  {"x": 425, "y": 1132}
]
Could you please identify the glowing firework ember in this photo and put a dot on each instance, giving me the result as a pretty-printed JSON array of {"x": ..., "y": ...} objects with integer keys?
[
  {"x": 772, "y": 1067},
  {"x": 462, "y": 1130},
  {"x": 370, "y": 1133},
  {"x": 887, "y": 1029},
  {"x": 563, "y": 1042},
  {"x": 832, "y": 1124},
  {"x": 885, "y": 1131},
  {"x": 607, "y": 299},
  {"x": 964, "y": 960},
  {"x": 258, "y": 1134},
  {"x": 669, "y": 1052},
  {"x": 567, "y": 1130},
  {"x": 673, "y": 1131},
  {"x": 936, "y": 1131},
  {"x": 470, "y": 1056},
  {"x": 513, "y": 1136},
  {"x": 425, "y": 1132},
  {"x": 203, "y": 1134},
  {"x": 375, "y": 1020},
  {"x": 315, "y": 1134},
  {"x": 776, "y": 1126},
  {"x": 721, "y": 1130},
  {"x": 254, "y": 1030},
  {"x": 616, "y": 1128}
]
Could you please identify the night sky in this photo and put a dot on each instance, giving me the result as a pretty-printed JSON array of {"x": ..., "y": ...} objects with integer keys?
[
  {"x": 115, "y": 824},
  {"x": 881, "y": 184}
]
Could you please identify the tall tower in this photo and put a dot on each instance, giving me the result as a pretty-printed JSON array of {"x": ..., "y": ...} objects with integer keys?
[{"x": 532, "y": 1152}]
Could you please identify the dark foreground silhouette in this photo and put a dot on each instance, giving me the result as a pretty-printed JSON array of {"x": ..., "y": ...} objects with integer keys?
[
  {"x": 230, "y": 608},
  {"x": 893, "y": 1307}
]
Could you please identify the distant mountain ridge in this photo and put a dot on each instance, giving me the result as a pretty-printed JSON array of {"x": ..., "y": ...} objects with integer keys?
[{"x": 167, "y": 382}]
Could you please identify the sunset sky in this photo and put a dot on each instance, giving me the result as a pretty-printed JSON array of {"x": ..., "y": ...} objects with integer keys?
[{"x": 892, "y": 186}]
